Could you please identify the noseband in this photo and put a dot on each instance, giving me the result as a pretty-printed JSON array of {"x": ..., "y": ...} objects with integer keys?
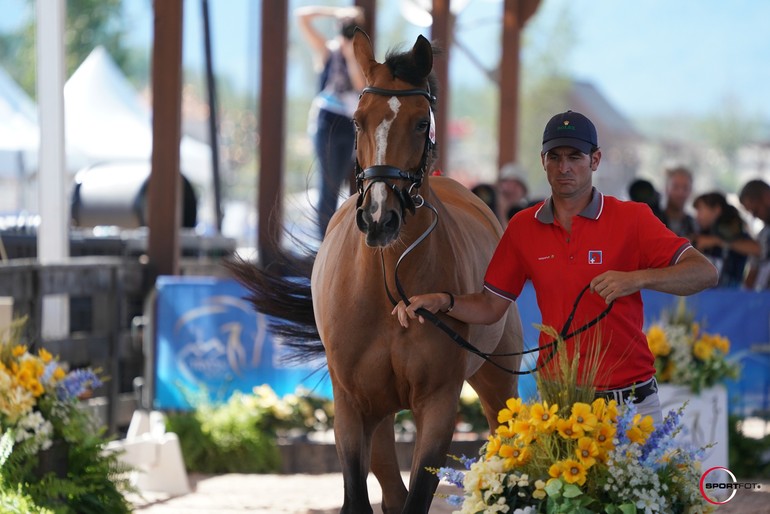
[{"x": 383, "y": 172}]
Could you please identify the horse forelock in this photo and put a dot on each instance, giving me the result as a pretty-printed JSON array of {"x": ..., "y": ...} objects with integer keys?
[{"x": 403, "y": 66}]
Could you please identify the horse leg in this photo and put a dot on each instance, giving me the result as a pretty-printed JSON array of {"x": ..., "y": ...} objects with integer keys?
[
  {"x": 385, "y": 467},
  {"x": 353, "y": 442},
  {"x": 493, "y": 385},
  {"x": 435, "y": 420}
]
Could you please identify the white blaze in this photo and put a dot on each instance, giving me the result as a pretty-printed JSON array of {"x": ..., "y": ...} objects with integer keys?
[{"x": 380, "y": 190}]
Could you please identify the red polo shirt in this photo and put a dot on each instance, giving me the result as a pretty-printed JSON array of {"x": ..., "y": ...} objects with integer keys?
[{"x": 607, "y": 235}]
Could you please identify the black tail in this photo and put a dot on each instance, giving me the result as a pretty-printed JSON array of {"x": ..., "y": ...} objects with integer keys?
[{"x": 282, "y": 291}]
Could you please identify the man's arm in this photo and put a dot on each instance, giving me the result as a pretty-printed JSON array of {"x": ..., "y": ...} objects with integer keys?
[
  {"x": 483, "y": 308},
  {"x": 693, "y": 273}
]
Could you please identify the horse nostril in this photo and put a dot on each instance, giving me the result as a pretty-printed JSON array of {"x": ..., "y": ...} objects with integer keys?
[
  {"x": 361, "y": 222},
  {"x": 392, "y": 222}
]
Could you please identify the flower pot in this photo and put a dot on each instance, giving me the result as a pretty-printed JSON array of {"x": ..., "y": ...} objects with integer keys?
[
  {"x": 54, "y": 460},
  {"x": 704, "y": 419}
]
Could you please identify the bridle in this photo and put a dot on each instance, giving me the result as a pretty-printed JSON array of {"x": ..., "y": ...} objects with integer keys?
[{"x": 385, "y": 172}]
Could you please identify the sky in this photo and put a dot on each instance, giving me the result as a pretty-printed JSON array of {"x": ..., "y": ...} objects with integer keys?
[{"x": 649, "y": 57}]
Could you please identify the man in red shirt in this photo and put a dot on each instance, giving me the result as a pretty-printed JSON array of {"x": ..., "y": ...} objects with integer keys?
[{"x": 580, "y": 237}]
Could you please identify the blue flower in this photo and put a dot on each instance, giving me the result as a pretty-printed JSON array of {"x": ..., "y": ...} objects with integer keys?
[
  {"x": 453, "y": 476},
  {"x": 76, "y": 383}
]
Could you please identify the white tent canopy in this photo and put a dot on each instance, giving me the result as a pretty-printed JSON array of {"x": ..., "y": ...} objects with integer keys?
[
  {"x": 19, "y": 135},
  {"x": 105, "y": 121}
]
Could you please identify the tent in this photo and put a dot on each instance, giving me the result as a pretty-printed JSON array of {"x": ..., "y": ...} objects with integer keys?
[
  {"x": 106, "y": 121},
  {"x": 19, "y": 134}
]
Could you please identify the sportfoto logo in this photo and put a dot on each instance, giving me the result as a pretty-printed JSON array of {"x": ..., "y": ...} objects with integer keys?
[{"x": 718, "y": 485}]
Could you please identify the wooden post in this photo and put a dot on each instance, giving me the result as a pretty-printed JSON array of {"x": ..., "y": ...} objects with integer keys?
[
  {"x": 272, "y": 129},
  {"x": 165, "y": 185},
  {"x": 515, "y": 14},
  {"x": 441, "y": 33}
]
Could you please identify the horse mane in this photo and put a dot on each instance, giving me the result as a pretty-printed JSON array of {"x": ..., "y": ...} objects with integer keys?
[{"x": 403, "y": 66}]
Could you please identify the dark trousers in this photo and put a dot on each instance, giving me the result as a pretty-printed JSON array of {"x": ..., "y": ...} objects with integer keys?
[{"x": 334, "y": 142}]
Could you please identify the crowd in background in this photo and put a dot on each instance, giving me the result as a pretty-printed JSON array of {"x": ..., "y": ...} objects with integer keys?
[{"x": 710, "y": 220}]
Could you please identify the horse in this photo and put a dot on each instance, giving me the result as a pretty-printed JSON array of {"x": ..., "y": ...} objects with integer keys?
[{"x": 407, "y": 231}]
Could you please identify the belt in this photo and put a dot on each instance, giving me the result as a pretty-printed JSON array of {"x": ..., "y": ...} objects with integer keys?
[{"x": 639, "y": 391}]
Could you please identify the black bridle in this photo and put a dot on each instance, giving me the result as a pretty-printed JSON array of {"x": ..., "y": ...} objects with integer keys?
[{"x": 385, "y": 172}]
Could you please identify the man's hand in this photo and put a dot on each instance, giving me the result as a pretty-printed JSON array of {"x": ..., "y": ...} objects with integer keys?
[
  {"x": 612, "y": 285},
  {"x": 433, "y": 302}
]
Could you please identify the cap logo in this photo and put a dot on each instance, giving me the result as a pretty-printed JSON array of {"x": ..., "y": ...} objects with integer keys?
[{"x": 566, "y": 122}]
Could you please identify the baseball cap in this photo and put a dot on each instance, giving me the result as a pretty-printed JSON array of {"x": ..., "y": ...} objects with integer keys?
[{"x": 570, "y": 129}]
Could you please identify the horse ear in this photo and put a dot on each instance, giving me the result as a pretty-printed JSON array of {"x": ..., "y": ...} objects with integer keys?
[
  {"x": 362, "y": 49},
  {"x": 423, "y": 55}
]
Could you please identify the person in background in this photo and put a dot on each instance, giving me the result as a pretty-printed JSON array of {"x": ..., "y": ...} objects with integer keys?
[
  {"x": 723, "y": 238},
  {"x": 576, "y": 238},
  {"x": 512, "y": 192},
  {"x": 755, "y": 198},
  {"x": 678, "y": 191},
  {"x": 642, "y": 191},
  {"x": 487, "y": 193},
  {"x": 331, "y": 114}
]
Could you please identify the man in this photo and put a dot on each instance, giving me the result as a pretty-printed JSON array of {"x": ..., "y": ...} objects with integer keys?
[
  {"x": 579, "y": 237},
  {"x": 755, "y": 198},
  {"x": 512, "y": 192},
  {"x": 678, "y": 190}
]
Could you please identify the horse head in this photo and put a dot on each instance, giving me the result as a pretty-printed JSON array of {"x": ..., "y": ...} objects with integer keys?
[{"x": 395, "y": 136}]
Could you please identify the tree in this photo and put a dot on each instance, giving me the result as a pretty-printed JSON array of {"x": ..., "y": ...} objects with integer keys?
[{"x": 89, "y": 23}]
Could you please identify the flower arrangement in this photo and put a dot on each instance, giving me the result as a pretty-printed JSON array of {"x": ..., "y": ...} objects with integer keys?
[
  {"x": 686, "y": 355},
  {"x": 39, "y": 413},
  {"x": 571, "y": 453}
]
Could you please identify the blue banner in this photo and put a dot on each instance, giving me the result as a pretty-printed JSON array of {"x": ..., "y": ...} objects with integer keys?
[
  {"x": 741, "y": 316},
  {"x": 210, "y": 341}
]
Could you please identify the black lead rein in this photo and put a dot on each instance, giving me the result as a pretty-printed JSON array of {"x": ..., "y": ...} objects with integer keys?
[{"x": 564, "y": 334}]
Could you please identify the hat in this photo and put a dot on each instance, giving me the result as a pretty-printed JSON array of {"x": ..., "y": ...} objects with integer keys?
[{"x": 570, "y": 129}]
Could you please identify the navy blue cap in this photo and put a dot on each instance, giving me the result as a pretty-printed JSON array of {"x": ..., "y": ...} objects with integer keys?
[{"x": 570, "y": 129}]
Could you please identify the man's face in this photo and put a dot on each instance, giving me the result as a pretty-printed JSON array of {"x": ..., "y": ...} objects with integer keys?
[
  {"x": 569, "y": 171},
  {"x": 678, "y": 190}
]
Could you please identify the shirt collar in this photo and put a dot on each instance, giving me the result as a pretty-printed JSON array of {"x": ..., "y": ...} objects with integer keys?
[{"x": 592, "y": 211}]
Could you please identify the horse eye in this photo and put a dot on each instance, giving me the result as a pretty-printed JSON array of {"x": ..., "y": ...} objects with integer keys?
[
  {"x": 356, "y": 126},
  {"x": 423, "y": 125}
]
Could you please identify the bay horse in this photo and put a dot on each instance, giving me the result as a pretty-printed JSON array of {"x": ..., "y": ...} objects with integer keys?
[{"x": 377, "y": 367}]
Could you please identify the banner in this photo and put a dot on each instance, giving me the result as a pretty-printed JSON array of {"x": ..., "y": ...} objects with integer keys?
[
  {"x": 210, "y": 342},
  {"x": 741, "y": 316}
]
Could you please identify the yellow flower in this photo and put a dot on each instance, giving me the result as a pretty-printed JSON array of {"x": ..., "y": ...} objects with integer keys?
[
  {"x": 702, "y": 349},
  {"x": 603, "y": 434},
  {"x": 605, "y": 411},
  {"x": 586, "y": 451},
  {"x": 722, "y": 344},
  {"x": 641, "y": 428},
  {"x": 543, "y": 417},
  {"x": 555, "y": 470},
  {"x": 493, "y": 446},
  {"x": 505, "y": 431},
  {"x": 583, "y": 417},
  {"x": 573, "y": 472},
  {"x": 657, "y": 341},
  {"x": 18, "y": 350},
  {"x": 59, "y": 373},
  {"x": 539, "y": 492},
  {"x": 515, "y": 455},
  {"x": 514, "y": 408},
  {"x": 568, "y": 429},
  {"x": 45, "y": 355},
  {"x": 524, "y": 430}
]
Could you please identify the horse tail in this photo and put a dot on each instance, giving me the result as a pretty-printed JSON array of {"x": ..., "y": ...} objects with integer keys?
[{"x": 282, "y": 292}]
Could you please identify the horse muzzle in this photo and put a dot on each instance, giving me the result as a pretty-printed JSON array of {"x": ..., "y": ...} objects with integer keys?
[{"x": 383, "y": 230}]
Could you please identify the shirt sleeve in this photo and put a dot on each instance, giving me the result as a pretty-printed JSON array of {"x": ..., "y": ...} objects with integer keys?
[
  {"x": 505, "y": 274},
  {"x": 659, "y": 247}
]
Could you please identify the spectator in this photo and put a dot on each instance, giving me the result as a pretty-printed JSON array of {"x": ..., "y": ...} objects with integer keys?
[
  {"x": 487, "y": 194},
  {"x": 512, "y": 192},
  {"x": 678, "y": 191},
  {"x": 723, "y": 238},
  {"x": 643, "y": 191},
  {"x": 755, "y": 198},
  {"x": 331, "y": 114}
]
